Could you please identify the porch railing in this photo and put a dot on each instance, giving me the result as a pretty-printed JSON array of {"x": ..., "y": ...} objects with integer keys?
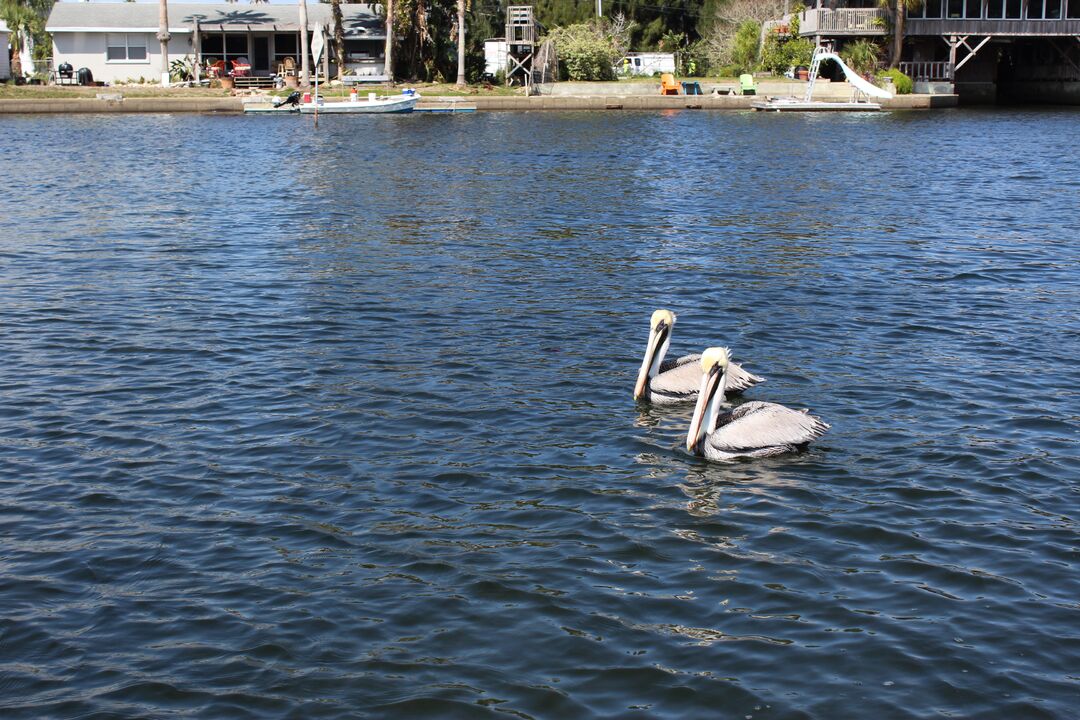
[
  {"x": 936, "y": 71},
  {"x": 851, "y": 21}
]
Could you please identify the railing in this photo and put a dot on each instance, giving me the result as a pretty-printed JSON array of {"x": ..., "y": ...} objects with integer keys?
[
  {"x": 936, "y": 71},
  {"x": 852, "y": 21}
]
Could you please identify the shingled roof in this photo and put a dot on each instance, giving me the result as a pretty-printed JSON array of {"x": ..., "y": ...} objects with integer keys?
[{"x": 359, "y": 20}]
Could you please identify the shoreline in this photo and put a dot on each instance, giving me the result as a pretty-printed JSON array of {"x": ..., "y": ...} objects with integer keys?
[{"x": 483, "y": 103}]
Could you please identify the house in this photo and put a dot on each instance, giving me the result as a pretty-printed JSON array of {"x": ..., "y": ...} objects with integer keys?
[
  {"x": 984, "y": 49},
  {"x": 118, "y": 41},
  {"x": 5, "y": 56}
]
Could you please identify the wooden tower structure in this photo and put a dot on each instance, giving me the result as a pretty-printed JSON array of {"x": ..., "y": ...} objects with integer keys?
[{"x": 522, "y": 33}]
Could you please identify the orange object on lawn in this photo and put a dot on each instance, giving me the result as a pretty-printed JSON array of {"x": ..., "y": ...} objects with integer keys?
[{"x": 668, "y": 86}]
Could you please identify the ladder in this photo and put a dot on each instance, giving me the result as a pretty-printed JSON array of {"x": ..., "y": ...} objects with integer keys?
[{"x": 815, "y": 65}]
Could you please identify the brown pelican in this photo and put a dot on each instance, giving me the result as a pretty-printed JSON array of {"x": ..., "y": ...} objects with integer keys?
[
  {"x": 753, "y": 429},
  {"x": 673, "y": 381}
]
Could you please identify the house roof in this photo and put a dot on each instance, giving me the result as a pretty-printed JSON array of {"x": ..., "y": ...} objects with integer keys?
[{"x": 359, "y": 20}]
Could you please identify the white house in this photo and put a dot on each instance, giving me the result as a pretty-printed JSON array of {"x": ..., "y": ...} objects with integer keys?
[
  {"x": 5, "y": 62},
  {"x": 118, "y": 41}
]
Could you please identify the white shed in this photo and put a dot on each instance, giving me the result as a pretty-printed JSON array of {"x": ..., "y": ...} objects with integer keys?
[
  {"x": 5, "y": 62},
  {"x": 495, "y": 52}
]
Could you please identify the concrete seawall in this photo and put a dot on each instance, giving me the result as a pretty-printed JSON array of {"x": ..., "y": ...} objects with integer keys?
[{"x": 491, "y": 102}]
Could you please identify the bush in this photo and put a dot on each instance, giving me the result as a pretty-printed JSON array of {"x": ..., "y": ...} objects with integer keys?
[
  {"x": 901, "y": 82},
  {"x": 585, "y": 52},
  {"x": 782, "y": 53},
  {"x": 861, "y": 56},
  {"x": 744, "y": 51}
]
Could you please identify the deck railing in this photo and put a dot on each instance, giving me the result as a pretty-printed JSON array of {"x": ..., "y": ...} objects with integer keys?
[
  {"x": 851, "y": 21},
  {"x": 936, "y": 71}
]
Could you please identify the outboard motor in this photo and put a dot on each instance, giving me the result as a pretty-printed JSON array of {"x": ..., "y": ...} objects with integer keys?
[
  {"x": 85, "y": 76},
  {"x": 65, "y": 72},
  {"x": 293, "y": 99}
]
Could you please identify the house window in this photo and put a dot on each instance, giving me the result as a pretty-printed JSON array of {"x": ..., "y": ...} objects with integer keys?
[
  {"x": 285, "y": 45},
  {"x": 1053, "y": 10},
  {"x": 1012, "y": 9},
  {"x": 125, "y": 47},
  {"x": 933, "y": 8},
  {"x": 995, "y": 9}
]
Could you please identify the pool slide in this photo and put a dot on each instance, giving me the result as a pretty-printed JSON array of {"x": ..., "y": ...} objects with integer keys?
[{"x": 856, "y": 80}]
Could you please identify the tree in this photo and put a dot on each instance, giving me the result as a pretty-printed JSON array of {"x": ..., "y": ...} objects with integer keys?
[
  {"x": 339, "y": 36},
  {"x": 719, "y": 36},
  {"x": 898, "y": 10},
  {"x": 26, "y": 20},
  {"x": 388, "y": 62},
  {"x": 461, "y": 43},
  {"x": 163, "y": 37},
  {"x": 305, "y": 51}
]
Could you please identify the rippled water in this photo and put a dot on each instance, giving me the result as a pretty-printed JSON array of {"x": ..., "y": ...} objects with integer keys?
[{"x": 340, "y": 424}]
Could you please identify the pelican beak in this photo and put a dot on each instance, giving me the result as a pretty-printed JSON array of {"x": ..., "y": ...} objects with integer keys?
[
  {"x": 658, "y": 334},
  {"x": 710, "y": 381}
]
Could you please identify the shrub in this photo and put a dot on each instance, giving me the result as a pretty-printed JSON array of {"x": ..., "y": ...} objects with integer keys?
[
  {"x": 744, "y": 51},
  {"x": 782, "y": 53},
  {"x": 861, "y": 56},
  {"x": 585, "y": 52},
  {"x": 901, "y": 82}
]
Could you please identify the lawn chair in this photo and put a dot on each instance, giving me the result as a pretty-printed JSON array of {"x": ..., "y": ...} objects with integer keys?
[
  {"x": 216, "y": 69},
  {"x": 241, "y": 67},
  {"x": 749, "y": 87},
  {"x": 668, "y": 86}
]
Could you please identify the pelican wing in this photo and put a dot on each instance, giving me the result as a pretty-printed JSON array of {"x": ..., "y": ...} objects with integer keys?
[
  {"x": 680, "y": 382},
  {"x": 739, "y": 379},
  {"x": 672, "y": 363},
  {"x": 755, "y": 425}
]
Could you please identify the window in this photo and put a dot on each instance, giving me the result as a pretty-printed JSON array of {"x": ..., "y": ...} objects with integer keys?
[
  {"x": 933, "y": 8},
  {"x": 995, "y": 9},
  {"x": 973, "y": 9},
  {"x": 1053, "y": 10},
  {"x": 1012, "y": 9},
  {"x": 285, "y": 46},
  {"x": 125, "y": 47}
]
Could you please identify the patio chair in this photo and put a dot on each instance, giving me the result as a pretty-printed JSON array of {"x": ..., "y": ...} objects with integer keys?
[
  {"x": 668, "y": 86},
  {"x": 241, "y": 67},
  {"x": 216, "y": 68},
  {"x": 288, "y": 67},
  {"x": 749, "y": 87}
]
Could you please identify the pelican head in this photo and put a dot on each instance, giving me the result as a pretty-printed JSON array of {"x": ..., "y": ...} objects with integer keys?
[
  {"x": 659, "y": 338},
  {"x": 714, "y": 364}
]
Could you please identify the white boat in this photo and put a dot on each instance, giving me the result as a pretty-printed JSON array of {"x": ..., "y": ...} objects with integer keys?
[{"x": 371, "y": 104}]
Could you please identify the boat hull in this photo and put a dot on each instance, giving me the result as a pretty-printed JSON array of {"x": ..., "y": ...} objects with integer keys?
[{"x": 402, "y": 104}]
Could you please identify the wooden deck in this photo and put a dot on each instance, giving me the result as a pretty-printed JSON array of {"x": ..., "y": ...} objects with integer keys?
[{"x": 1000, "y": 28}]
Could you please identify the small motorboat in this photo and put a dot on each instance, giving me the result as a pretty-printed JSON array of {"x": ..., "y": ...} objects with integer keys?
[{"x": 406, "y": 102}]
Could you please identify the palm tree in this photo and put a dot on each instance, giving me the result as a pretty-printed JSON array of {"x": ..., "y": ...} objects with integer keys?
[
  {"x": 339, "y": 36},
  {"x": 163, "y": 37},
  {"x": 461, "y": 43},
  {"x": 899, "y": 10},
  {"x": 388, "y": 66},
  {"x": 305, "y": 52}
]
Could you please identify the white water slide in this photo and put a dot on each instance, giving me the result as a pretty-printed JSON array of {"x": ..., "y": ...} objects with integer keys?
[{"x": 856, "y": 80}]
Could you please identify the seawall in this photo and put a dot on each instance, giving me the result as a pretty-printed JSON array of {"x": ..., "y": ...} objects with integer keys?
[{"x": 482, "y": 103}]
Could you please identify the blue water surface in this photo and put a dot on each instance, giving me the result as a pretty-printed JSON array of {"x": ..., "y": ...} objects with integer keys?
[{"x": 339, "y": 423}]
